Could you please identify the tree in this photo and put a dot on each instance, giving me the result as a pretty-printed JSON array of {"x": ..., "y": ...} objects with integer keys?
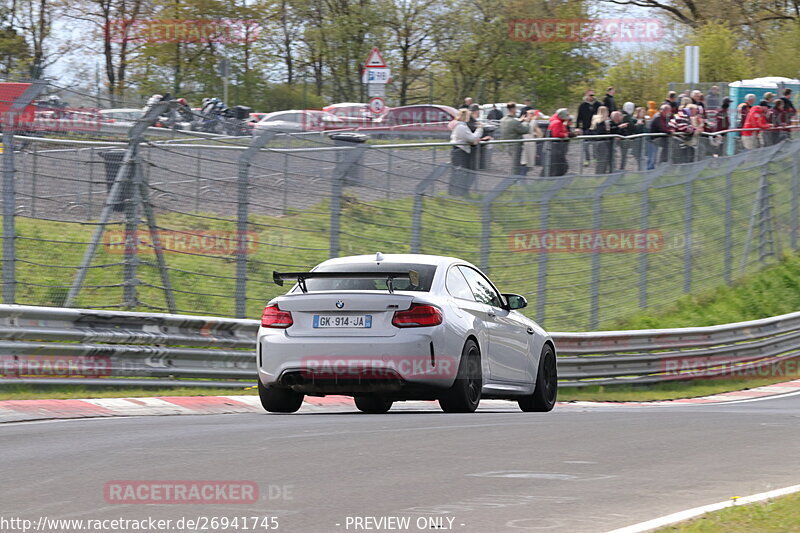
[{"x": 15, "y": 54}]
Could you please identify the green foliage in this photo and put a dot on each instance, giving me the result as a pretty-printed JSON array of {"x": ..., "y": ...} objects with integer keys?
[{"x": 723, "y": 56}]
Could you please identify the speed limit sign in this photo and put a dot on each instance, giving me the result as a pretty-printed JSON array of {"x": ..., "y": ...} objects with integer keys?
[{"x": 377, "y": 105}]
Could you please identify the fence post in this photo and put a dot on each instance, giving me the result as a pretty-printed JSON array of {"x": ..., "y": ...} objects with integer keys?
[
  {"x": 416, "y": 211},
  {"x": 9, "y": 123},
  {"x": 486, "y": 217},
  {"x": 687, "y": 236},
  {"x": 243, "y": 184},
  {"x": 131, "y": 195},
  {"x": 34, "y": 171},
  {"x": 728, "y": 259},
  {"x": 597, "y": 211},
  {"x": 644, "y": 259},
  {"x": 544, "y": 222},
  {"x": 350, "y": 158},
  {"x": 9, "y": 229},
  {"x": 135, "y": 136},
  {"x": 795, "y": 192}
]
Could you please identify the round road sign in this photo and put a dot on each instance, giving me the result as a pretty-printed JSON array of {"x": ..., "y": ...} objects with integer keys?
[{"x": 377, "y": 105}]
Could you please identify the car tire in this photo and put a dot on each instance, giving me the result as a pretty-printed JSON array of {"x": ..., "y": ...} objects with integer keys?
[
  {"x": 373, "y": 404},
  {"x": 544, "y": 395},
  {"x": 279, "y": 399},
  {"x": 465, "y": 394}
]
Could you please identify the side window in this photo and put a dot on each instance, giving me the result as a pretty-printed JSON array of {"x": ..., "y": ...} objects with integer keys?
[
  {"x": 457, "y": 286},
  {"x": 481, "y": 288}
]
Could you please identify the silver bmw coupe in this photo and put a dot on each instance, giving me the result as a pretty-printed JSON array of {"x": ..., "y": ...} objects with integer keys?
[{"x": 394, "y": 327}]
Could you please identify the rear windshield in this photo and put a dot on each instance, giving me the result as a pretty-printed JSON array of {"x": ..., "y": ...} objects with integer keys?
[{"x": 426, "y": 273}]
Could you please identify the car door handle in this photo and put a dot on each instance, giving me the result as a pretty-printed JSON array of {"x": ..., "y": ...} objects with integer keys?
[
  {"x": 491, "y": 313},
  {"x": 530, "y": 330}
]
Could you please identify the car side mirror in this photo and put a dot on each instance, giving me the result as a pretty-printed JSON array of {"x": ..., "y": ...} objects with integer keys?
[{"x": 515, "y": 301}]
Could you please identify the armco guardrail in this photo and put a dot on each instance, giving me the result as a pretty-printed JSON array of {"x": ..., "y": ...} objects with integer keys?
[{"x": 57, "y": 345}]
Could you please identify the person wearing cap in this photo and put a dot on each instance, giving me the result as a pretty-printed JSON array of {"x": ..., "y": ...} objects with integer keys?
[{"x": 512, "y": 128}]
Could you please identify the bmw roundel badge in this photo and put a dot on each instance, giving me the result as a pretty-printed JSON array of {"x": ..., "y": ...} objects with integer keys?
[{"x": 339, "y": 304}]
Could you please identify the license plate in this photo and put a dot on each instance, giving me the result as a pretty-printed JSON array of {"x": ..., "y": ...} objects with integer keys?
[{"x": 342, "y": 321}]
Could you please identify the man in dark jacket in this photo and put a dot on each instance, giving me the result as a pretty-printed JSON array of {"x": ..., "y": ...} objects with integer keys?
[
  {"x": 525, "y": 107},
  {"x": 672, "y": 100},
  {"x": 608, "y": 101},
  {"x": 659, "y": 124},
  {"x": 788, "y": 106},
  {"x": 512, "y": 128},
  {"x": 586, "y": 111}
]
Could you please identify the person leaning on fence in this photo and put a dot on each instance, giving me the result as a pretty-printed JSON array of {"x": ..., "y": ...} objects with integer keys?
[
  {"x": 601, "y": 125},
  {"x": 559, "y": 128},
  {"x": 788, "y": 105},
  {"x": 686, "y": 126},
  {"x": 756, "y": 120},
  {"x": 659, "y": 124},
  {"x": 744, "y": 109},
  {"x": 532, "y": 151},
  {"x": 722, "y": 122},
  {"x": 778, "y": 120},
  {"x": 462, "y": 140},
  {"x": 586, "y": 111},
  {"x": 624, "y": 145},
  {"x": 512, "y": 128}
]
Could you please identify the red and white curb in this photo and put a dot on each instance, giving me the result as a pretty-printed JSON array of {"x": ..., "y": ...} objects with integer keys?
[{"x": 29, "y": 410}]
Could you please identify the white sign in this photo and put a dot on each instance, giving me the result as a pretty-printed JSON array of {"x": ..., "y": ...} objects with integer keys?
[
  {"x": 376, "y": 75},
  {"x": 691, "y": 64},
  {"x": 375, "y": 59},
  {"x": 377, "y": 105},
  {"x": 376, "y": 89}
]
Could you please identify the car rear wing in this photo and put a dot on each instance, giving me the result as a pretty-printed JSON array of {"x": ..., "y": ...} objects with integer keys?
[{"x": 301, "y": 277}]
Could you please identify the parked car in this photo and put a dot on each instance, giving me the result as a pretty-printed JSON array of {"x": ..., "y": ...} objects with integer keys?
[
  {"x": 298, "y": 120},
  {"x": 386, "y": 328},
  {"x": 124, "y": 115},
  {"x": 353, "y": 114},
  {"x": 419, "y": 118}
]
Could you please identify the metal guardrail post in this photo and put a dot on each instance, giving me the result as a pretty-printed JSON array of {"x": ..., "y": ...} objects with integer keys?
[
  {"x": 416, "y": 211},
  {"x": 486, "y": 217},
  {"x": 9, "y": 230},
  {"x": 340, "y": 172},
  {"x": 243, "y": 184}
]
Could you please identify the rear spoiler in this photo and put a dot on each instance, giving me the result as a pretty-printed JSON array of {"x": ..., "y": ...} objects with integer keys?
[{"x": 301, "y": 277}]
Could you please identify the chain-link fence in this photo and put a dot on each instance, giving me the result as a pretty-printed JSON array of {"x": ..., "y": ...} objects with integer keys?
[{"x": 197, "y": 225}]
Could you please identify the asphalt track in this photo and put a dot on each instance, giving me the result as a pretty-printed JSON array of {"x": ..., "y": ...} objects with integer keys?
[{"x": 577, "y": 469}]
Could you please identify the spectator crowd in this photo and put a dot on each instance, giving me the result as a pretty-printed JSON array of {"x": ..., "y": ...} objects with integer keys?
[{"x": 681, "y": 118}]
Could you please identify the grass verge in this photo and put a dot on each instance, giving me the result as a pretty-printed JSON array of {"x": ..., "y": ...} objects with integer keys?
[{"x": 781, "y": 515}]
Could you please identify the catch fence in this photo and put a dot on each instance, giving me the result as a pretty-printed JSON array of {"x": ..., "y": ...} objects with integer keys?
[{"x": 197, "y": 224}]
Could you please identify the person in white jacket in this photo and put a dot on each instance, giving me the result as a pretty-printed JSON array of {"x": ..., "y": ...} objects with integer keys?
[{"x": 462, "y": 139}]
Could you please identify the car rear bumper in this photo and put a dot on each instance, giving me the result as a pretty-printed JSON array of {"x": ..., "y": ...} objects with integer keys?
[{"x": 334, "y": 365}]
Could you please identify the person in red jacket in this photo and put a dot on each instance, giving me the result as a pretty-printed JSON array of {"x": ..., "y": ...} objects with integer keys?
[
  {"x": 756, "y": 118},
  {"x": 558, "y": 128}
]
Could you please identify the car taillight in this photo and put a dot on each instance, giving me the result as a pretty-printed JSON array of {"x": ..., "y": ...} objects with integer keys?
[
  {"x": 273, "y": 317},
  {"x": 418, "y": 316}
]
